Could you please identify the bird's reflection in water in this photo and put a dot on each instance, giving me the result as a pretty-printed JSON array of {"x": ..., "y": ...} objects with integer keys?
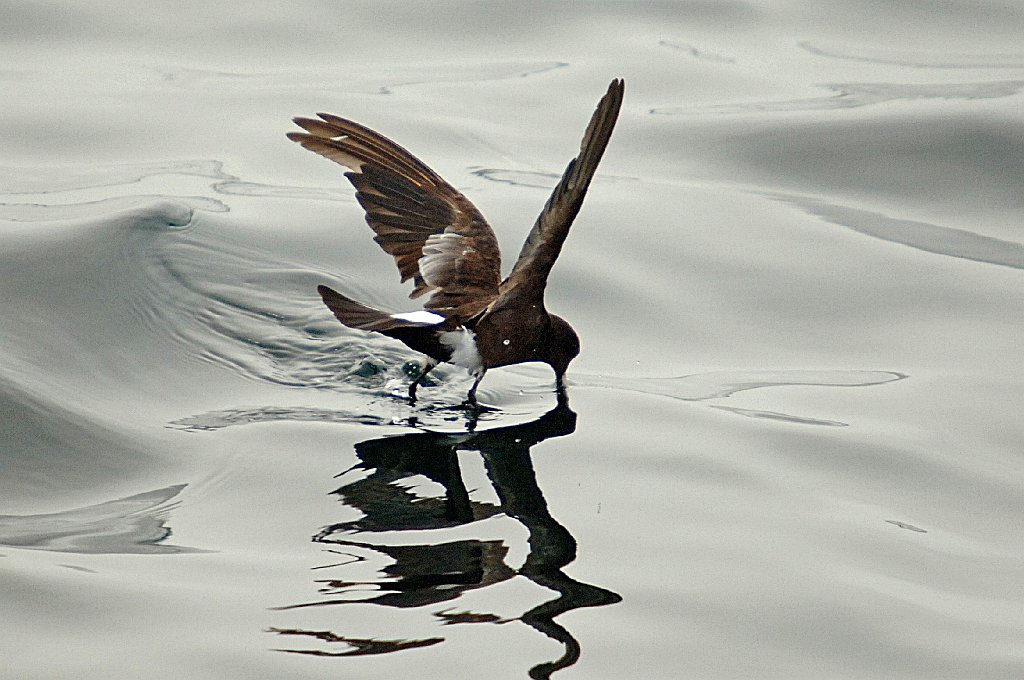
[{"x": 425, "y": 575}]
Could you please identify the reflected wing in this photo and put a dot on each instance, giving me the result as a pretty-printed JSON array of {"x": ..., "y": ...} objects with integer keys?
[
  {"x": 530, "y": 274},
  {"x": 437, "y": 237}
]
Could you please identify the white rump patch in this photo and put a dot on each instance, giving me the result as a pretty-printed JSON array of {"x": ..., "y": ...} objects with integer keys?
[
  {"x": 462, "y": 343},
  {"x": 421, "y": 316}
]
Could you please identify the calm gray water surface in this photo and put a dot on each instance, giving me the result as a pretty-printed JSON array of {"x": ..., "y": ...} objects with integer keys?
[{"x": 793, "y": 447}]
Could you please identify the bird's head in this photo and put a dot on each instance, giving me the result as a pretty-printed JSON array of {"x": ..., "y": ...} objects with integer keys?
[{"x": 564, "y": 347}]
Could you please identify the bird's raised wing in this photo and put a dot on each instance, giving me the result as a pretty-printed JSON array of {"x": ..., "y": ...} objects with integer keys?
[
  {"x": 437, "y": 237},
  {"x": 528, "y": 278}
]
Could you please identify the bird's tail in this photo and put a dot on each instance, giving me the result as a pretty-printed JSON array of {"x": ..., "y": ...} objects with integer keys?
[
  {"x": 356, "y": 315},
  {"x": 419, "y": 336}
]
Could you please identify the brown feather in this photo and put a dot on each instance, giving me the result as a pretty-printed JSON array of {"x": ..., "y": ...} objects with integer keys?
[
  {"x": 419, "y": 336},
  {"x": 529, "y": 276},
  {"x": 407, "y": 205}
]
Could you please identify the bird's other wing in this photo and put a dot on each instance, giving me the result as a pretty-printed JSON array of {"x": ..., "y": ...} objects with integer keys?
[
  {"x": 436, "y": 235},
  {"x": 529, "y": 276}
]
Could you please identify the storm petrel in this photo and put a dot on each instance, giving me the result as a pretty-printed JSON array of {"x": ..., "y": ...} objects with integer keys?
[{"x": 473, "y": 318}]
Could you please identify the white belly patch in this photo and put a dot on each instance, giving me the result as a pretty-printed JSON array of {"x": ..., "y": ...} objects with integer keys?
[{"x": 462, "y": 343}]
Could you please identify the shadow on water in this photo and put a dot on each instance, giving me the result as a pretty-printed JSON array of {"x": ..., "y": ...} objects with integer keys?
[{"x": 427, "y": 574}]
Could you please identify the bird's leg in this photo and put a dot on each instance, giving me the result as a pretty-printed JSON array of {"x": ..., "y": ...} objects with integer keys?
[
  {"x": 471, "y": 397},
  {"x": 563, "y": 398},
  {"x": 428, "y": 366}
]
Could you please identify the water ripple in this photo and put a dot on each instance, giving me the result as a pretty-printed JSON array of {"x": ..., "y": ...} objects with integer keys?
[
  {"x": 856, "y": 95},
  {"x": 362, "y": 81},
  {"x": 132, "y": 525},
  {"x": 930, "y": 238},
  {"x": 375, "y": 412},
  {"x": 536, "y": 180},
  {"x": 696, "y": 52},
  {"x": 241, "y": 188},
  {"x": 432, "y": 411},
  {"x": 46, "y": 212},
  {"x": 43, "y": 180},
  {"x": 915, "y": 58},
  {"x": 721, "y": 384}
]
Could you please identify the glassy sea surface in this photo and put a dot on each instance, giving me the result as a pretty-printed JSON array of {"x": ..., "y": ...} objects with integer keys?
[{"x": 792, "y": 447}]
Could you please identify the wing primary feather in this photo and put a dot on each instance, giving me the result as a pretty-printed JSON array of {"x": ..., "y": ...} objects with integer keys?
[
  {"x": 544, "y": 242},
  {"x": 407, "y": 204}
]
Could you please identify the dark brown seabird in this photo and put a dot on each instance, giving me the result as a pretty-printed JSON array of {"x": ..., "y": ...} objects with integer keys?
[{"x": 473, "y": 318}]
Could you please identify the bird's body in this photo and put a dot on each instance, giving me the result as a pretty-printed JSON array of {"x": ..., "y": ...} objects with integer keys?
[{"x": 473, "y": 318}]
